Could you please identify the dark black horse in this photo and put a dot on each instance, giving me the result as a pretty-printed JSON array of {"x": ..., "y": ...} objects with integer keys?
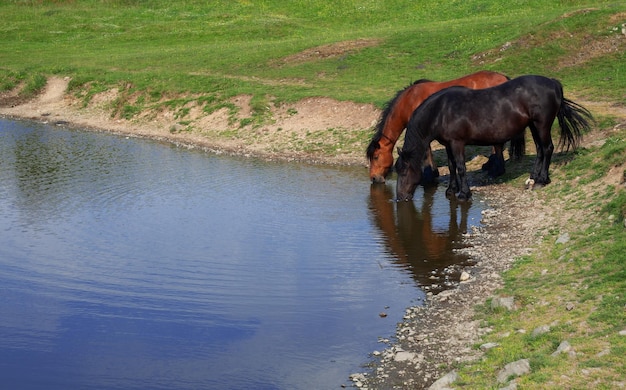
[{"x": 459, "y": 116}]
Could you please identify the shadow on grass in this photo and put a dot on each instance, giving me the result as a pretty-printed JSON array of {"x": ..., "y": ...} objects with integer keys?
[{"x": 517, "y": 169}]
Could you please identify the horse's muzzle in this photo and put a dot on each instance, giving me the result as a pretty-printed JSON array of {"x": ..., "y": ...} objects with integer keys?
[{"x": 378, "y": 179}]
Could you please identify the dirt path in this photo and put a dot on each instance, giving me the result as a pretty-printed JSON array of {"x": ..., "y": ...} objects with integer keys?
[{"x": 431, "y": 337}]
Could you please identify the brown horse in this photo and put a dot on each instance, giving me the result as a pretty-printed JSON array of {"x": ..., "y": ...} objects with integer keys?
[{"x": 398, "y": 111}]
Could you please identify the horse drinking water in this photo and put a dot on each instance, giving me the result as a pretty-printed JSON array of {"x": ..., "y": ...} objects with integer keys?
[
  {"x": 397, "y": 113},
  {"x": 459, "y": 116}
]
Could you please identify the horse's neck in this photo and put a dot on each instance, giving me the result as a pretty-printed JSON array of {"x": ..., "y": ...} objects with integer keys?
[{"x": 399, "y": 116}]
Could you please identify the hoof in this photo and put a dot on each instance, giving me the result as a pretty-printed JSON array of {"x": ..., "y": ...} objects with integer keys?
[{"x": 464, "y": 196}]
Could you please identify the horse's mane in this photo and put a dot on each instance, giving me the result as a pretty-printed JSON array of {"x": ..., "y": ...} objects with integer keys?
[{"x": 380, "y": 126}]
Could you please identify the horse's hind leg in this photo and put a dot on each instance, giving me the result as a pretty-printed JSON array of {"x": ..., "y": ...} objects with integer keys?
[
  {"x": 456, "y": 153},
  {"x": 429, "y": 168},
  {"x": 545, "y": 148},
  {"x": 495, "y": 165}
]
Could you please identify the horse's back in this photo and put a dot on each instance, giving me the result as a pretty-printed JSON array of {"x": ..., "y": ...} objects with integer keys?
[{"x": 491, "y": 115}]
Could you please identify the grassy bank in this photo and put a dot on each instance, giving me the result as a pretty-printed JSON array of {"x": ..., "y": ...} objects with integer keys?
[
  {"x": 163, "y": 54},
  {"x": 575, "y": 284}
]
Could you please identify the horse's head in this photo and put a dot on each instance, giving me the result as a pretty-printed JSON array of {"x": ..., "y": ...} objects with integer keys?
[
  {"x": 381, "y": 162},
  {"x": 409, "y": 172}
]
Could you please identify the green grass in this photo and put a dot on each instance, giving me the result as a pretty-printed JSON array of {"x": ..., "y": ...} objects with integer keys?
[
  {"x": 167, "y": 54},
  {"x": 588, "y": 273},
  {"x": 227, "y": 48}
]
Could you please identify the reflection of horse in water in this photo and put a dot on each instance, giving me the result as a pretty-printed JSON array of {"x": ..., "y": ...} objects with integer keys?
[{"x": 412, "y": 239}]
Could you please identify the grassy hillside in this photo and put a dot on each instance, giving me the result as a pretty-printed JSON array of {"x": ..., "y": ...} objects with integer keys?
[
  {"x": 221, "y": 49},
  {"x": 171, "y": 52}
]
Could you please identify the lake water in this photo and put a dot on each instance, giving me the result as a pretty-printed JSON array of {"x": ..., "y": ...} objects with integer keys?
[{"x": 133, "y": 264}]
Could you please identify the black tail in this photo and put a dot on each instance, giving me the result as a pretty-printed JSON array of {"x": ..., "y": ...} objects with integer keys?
[{"x": 574, "y": 121}]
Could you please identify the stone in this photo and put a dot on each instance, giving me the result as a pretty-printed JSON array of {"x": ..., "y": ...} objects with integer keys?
[
  {"x": 564, "y": 347},
  {"x": 464, "y": 276},
  {"x": 517, "y": 368},
  {"x": 404, "y": 356},
  {"x": 505, "y": 302},
  {"x": 358, "y": 379},
  {"x": 445, "y": 381},
  {"x": 511, "y": 386},
  {"x": 488, "y": 346},
  {"x": 541, "y": 330},
  {"x": 563, "y": 239}
]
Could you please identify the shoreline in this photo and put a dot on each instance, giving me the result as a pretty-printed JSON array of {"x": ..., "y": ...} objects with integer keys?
[{"x": 433, "y": 337}]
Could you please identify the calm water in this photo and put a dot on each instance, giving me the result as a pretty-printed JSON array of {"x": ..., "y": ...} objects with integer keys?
[{"x": 127, "y": 263}]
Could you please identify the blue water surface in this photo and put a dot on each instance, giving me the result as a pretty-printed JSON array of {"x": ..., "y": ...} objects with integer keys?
[{"x": 133, "y": 264}]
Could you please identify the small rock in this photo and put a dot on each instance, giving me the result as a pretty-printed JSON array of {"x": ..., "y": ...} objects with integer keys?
[
  {"x": 505, "y": 302},
  {"x": 464, "y": 276},
  {"x": 563, "y": 239},
  {"x": 444, "y": 381},
  {"x": 541, "y": 330},
  {"x": 622, "y": 332},
  {"x": 358, "y": 379},
  {"x": 488, "y": 346},
  {"x": 403, "y": 356},
  {"x": 564, "y": 347},
  {"x": 511, "y": 386},
  {"x": 569, "y": 306},
  {"x": 604, "y": 352},
  {"x": 382, "y": 314},
  {"x": 517, "y": 368}
]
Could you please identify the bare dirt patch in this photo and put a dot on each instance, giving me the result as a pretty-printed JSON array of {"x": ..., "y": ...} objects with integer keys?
[{"x": 333, "y": 50}]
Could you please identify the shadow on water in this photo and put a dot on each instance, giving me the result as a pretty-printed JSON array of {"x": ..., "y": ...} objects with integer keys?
[{"x": 430, "y": 252}]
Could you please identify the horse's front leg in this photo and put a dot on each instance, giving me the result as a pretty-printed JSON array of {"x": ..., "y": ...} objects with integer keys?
[
  {"x": 458, "y": 152},
  {"x": 453, "y": 183}
]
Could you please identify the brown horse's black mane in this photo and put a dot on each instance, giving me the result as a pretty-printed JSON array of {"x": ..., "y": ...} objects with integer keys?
[{"x": 374, "y": 145}]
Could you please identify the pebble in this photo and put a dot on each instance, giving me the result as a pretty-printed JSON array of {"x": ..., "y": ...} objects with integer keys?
[
  {"x": 563, "y": 239},
  {"x": 488, "y": 346},
  {"x": 564, "y": 347},
  {"x": 517, "y": 368},
  {"x": 541, "y": 330},
  {"x": 445, "y": 381},
  {"x": 505, "y": 302},
  {"x": 403, "y": 356}
]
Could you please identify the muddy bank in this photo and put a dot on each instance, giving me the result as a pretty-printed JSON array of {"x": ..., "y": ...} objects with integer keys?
[{"x": 284, "y": 137}]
